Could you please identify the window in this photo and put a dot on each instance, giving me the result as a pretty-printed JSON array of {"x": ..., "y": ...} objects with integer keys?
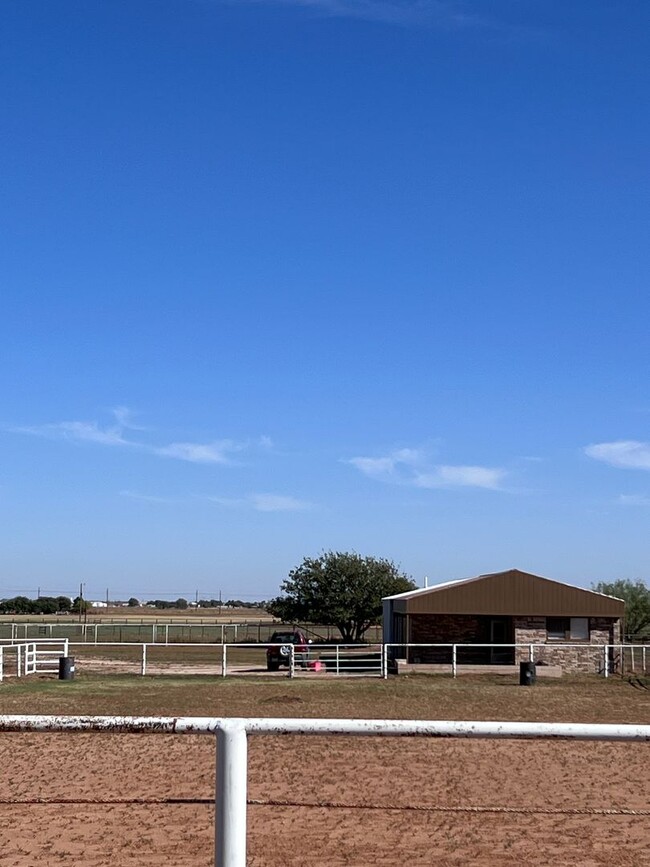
[
  {"x": 567, "y": 628},
  {"x": 579, "y": 629},
  {"x": 557, "y": 627}
]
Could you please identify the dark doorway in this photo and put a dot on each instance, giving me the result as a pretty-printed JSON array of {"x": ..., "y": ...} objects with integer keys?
[{"x": 501, "y": 632}]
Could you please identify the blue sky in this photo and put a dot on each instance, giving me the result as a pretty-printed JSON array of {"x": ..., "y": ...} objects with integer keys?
[{"x": 280, "y": 277}]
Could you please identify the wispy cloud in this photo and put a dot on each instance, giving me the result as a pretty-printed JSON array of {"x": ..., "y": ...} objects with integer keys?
[
  {"x": 200, "y": 453},
  {"x": 633, "y": 500},
  {"x": 445, "y": 476},
  {"x": 115, "y": 434},
  {"x": 77, "y": 431},
  {"x": 264, "y": 503},
  {"x": 278, "y": 503},
  {"x": 412, "y": 467},
  {"x": 626, "y": 454},
  {"x": 147, "y": 498},
  {"x": 404, "y": 13}
]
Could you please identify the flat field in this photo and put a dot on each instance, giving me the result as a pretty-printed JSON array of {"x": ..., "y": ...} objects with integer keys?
[{"x": 328, "y": 801}]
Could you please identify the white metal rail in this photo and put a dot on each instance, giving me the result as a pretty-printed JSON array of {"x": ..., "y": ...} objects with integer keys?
[
  {"x": 232, "y": 761},
  {"x": 34, "y": 657}
]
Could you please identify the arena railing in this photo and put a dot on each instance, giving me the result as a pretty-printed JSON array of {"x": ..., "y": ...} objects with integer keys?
[
  {"x": 231, "y": 799},
  {"x": 38, "y": 656},
  {"x": 368, "y": 660}
]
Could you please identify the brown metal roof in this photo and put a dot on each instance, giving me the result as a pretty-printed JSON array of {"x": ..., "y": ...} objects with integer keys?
[{"x": 509, "y": 593}]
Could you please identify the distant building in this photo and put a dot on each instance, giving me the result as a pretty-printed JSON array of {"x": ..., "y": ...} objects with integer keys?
[{"x": 490, "y": 614}]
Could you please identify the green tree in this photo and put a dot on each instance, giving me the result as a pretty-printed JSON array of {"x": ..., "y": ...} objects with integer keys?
[
  {"x": 79, "y": 605},
  {"x": 636, "y": 596},
  {"x": 133, "y": 602},
  {"x": 339, "y": 589},
  {"x": 181, "y": 603},
  {"x": 64, "y": 603}
]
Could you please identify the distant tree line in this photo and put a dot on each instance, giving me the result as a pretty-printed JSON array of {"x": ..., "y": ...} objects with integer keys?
[
  {"x": 42, "y": 605},
  {"x": 202, "y": 603}
]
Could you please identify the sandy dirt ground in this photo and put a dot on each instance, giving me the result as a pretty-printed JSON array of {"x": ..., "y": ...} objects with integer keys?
[{"x": 394, "y": 802}]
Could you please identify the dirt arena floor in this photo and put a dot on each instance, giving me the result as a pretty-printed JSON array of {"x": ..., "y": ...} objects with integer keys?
[{"x": 328, "y": 802}]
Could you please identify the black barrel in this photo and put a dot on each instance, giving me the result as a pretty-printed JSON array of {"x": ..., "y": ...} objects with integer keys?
[
  {"x": 66, "y": 668},
  {"x": 527, "y": 673}
]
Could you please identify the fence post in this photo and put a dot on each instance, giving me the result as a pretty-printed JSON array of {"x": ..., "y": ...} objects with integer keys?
[
  {"x": 2, "y": 662},
  {"x": 96, "y": 625},
  {"x": 166, "y": 634},
  {"x": 66, "y": 643},
  {"x": 384, "y": 661},
  {"x": 230, "y": 795},
  {"x": 18, "y": 659},
  {"x": 292, "y": 660},
  {"x": 224, "y": 661},
  {"x": 453, "y": 660},
  {"x": 144, "y": 660},
  {"x": 643, "y": 657},
  {"x": 153, "y": 633},
  {"x": 531, "y": 653},
  {"x": 606, "y": 661},
  {"x": 337, "y": 658}
]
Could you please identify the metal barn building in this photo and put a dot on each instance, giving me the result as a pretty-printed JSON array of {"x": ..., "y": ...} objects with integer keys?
[{"x": 502, "y": 608}]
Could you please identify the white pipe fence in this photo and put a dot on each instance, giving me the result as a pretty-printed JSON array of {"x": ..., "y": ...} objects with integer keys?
[
  {"x": 189, "y": 631},
  {"x": 377, "y": 660},
  {"x": 34, "y": 657},
  {"x": 232, "y": 761}
]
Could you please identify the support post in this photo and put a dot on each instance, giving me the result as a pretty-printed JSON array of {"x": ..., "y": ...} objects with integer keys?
[
  {"x": 643, "y": 658},
  {"x": 224, "y": 661},
  {"x": 144, "y": 660},
  {"x": 531, "y": 653},
  {"x": 230, "y": 798},
  {"x": 292, "y": 660},
  {"x": 96, "y": 625},
  {"x": 606, "y": 661},
  {"x": 166, "y": 634},
  {"x": 153, "y": 633},
  {"x": 454, "y": 666},
  {"x": 2, "y": 662},
  {"x": 18, "y": 659},
  {"x": 337, "y": 658},
  {"x": 384, "y": 661}
]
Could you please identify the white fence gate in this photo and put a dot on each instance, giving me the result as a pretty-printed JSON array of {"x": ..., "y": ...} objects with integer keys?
[{"x": 33, "y": 657}]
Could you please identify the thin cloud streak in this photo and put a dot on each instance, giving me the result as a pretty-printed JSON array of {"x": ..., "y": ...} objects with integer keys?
[
  {"x": 198, "y": 453},
  {"x": 403, "y": 13},
  {"x": 148, "y": 498},
  {"x": 216, "y": 452},
  {"x": 624, "y": 454},
  {"x": 410, "y": 467},
  {"x": 633, "y": 500},
  {"x": 264, "y": 503}
]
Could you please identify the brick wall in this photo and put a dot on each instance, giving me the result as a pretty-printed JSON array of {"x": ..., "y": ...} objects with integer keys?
[
  {"x": 445, "y": 629},
  {"x": 602, "y": 630},
  {"x": 470, "y": 629}
]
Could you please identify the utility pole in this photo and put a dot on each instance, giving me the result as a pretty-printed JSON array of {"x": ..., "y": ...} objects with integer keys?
[{"x": 81, "y": 600}]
